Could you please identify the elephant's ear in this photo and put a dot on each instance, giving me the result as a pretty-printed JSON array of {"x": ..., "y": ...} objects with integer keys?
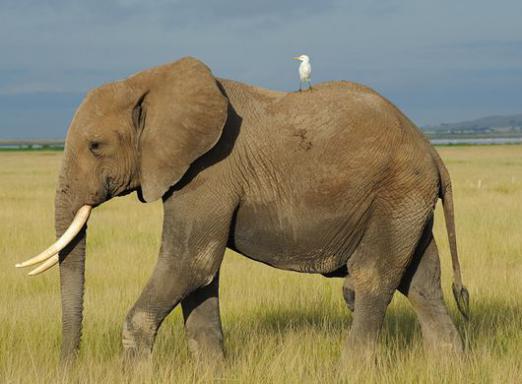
[{"x": 179, "y": 116}]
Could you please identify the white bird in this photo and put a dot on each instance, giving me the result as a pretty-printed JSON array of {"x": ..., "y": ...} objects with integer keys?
[{"x": 305, "y": 71}]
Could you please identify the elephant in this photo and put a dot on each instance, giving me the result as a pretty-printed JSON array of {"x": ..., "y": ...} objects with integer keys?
[{"x": 333, "y": 181}]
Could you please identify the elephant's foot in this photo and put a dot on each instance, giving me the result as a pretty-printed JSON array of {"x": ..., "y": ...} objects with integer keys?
[
  {"x": 442, "y": 342},
  {"x": 360, "y": 351},
  {"x": 136, "y": 360},
  {"x": 205, "y": 344},
  {"x": 134, "y": 354},
  {"x": 207, "y": 348},
  {"x": 356, "y": 359},
  {"x": 358, "y": 356},
  {"x": 137, "y": 366}
]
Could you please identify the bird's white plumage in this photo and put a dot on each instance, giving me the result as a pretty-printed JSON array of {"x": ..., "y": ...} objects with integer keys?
[
  {"x": 305, "y": 68},
  {"x": 305, "y": 71}
]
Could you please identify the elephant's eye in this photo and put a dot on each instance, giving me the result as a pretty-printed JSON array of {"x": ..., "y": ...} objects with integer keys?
[{"x": 94, "y": 147}]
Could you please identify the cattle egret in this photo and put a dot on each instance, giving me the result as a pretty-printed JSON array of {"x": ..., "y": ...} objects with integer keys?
[{"x": 305, "y": 71}]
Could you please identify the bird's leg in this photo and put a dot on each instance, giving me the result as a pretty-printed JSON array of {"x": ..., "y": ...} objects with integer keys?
[
  {"x": 300, "y": 86},
  {"x": 310, "y": 85}
]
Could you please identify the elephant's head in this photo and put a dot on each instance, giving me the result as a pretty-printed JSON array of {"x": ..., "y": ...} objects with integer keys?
[{"x": 140, "y": 134}]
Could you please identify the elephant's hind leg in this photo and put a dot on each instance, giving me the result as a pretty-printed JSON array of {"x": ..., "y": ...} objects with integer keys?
[
  {"x": 367, "y": 293},
  {"x": 203, "y": 323},
  {"x": 375, "y": 271},
  {"x": 421, "y": 285}
]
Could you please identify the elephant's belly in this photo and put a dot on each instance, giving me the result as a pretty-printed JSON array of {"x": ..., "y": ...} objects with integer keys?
[{"x": 299, "y": 241}]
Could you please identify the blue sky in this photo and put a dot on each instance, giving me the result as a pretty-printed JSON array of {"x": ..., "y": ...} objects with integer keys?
[{"x": 439, "y": 61}]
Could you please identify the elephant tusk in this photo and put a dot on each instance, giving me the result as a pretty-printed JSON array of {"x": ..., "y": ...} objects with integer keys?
[
  {"x": 44, "y": 266},
  {"x": 75, "y": 227}
]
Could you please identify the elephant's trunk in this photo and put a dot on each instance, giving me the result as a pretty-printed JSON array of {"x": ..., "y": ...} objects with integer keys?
[
  {"x": 72, "y": 267},
  {"x": 69, "y": 251}
]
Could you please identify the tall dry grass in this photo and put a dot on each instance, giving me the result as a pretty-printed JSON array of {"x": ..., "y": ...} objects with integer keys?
[{"x": 280, "y": 327}]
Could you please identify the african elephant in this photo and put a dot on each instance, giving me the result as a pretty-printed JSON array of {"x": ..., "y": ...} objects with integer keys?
[{"x": 334, "y": 181}]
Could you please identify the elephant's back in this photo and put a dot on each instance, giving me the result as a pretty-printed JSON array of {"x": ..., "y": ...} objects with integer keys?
[
  {"x": 330, "y": 146},
  {"x": 337, "y": 109},
  {"x": 339, "y": 125},
  {"x": 344, "y": 123}
]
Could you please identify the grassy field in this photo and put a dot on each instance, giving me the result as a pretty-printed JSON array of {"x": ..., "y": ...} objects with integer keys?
[{"x": 280, "y": 327}]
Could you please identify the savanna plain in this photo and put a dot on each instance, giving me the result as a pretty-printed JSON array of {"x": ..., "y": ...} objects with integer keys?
[{"x": 280, "y": 327}]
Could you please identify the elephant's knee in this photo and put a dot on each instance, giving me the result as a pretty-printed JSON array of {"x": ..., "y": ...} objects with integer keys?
[
  {"x": 139, "y": 330},
  {"x": 128, "y": 338}
]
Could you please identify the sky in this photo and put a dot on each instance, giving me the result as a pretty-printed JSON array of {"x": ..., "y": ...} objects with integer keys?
[{"x": 438, "y": 61}]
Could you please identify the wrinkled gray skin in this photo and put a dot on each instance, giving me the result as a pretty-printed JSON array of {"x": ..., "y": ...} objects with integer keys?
[{"x": 334, "y": 181}]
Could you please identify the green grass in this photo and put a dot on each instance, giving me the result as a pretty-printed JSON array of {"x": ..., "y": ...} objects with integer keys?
[{"x": 280, "y": 327}]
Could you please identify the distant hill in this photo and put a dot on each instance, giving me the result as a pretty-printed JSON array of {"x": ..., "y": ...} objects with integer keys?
[{"x": 510, "y": 125}]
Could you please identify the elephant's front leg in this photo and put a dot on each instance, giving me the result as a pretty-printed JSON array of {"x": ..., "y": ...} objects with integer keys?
[
  {"x": 203, "y": 323},
  {"x": 193, "y": 245}
]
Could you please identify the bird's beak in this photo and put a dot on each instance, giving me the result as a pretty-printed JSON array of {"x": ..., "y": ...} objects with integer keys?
[{"x": 296, "y": 58}]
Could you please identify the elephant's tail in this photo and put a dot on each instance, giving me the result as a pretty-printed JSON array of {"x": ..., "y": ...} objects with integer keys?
[{"x": 446, "y": 195}]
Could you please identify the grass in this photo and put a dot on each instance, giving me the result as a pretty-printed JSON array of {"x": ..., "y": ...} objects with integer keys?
[{"x": 280, "y": 327}]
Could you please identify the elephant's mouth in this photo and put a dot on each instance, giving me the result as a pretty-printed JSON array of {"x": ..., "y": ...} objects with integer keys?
[
  {"x": 50, "y": 257},
  {"x": 113, "y": 189},
  {"x": 126, "y": 192},
  {"x": 140, "y": 195}
]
